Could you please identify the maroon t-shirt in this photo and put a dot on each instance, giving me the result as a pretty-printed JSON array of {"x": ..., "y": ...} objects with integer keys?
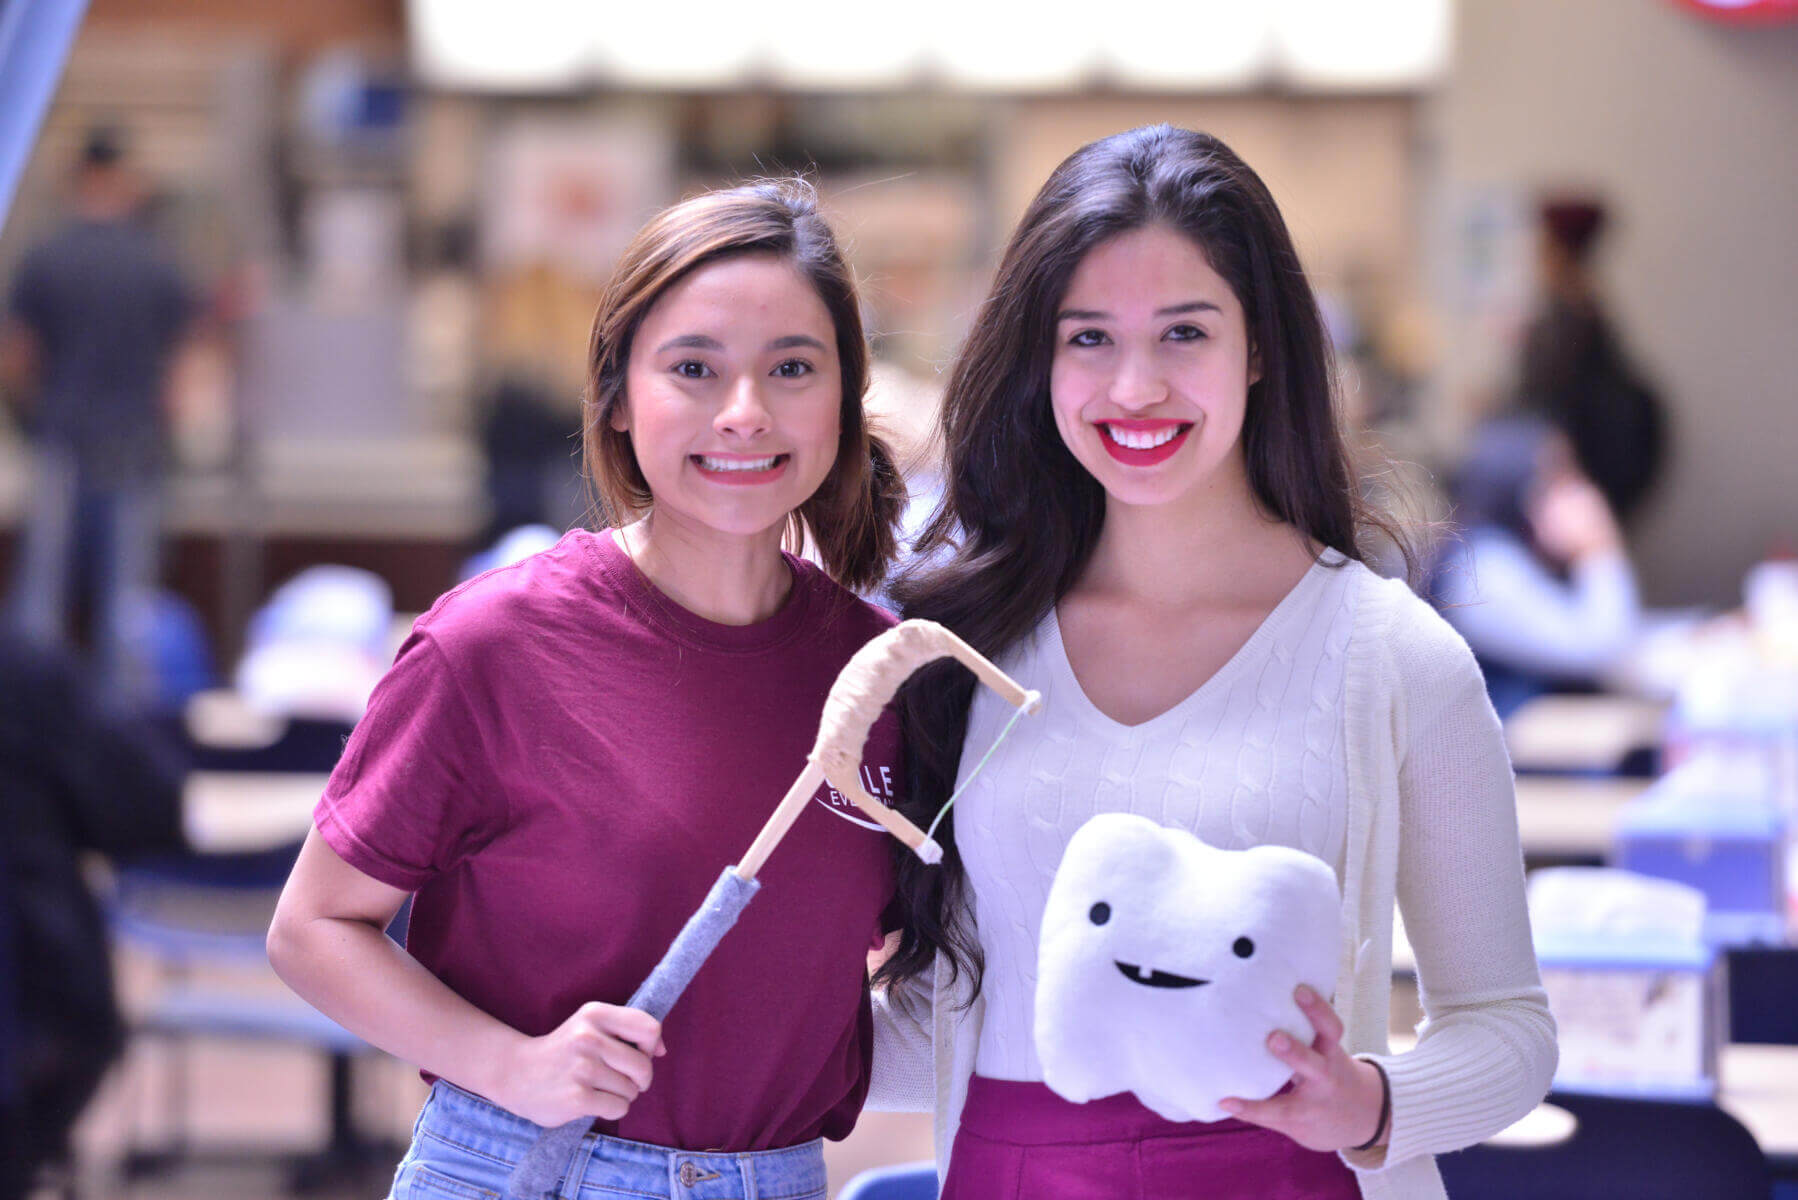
[{"x": 560, "y": 764}]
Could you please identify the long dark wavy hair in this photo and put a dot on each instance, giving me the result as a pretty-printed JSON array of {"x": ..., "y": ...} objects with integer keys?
[
  {"x": 850, "y": 517},
  {"x": 1020, "y": 516}
]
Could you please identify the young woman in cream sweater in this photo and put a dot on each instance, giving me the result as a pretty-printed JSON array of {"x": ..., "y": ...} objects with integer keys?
[{"x": 1152, "y": 520}]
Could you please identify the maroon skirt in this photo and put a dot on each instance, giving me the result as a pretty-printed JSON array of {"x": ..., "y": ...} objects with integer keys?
[{"x": 1020, "y": 1141}]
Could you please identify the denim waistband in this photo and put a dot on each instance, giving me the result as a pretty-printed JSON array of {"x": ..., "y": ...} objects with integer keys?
[{"x": 607, "y": 1166}]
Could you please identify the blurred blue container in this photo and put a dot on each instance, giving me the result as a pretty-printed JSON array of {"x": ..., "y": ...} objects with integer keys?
[{"x": 1713, "y": 826}]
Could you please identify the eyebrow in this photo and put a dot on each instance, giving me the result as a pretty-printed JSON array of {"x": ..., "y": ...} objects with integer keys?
[
  {"x": 1172, "y": 310},
  {"x": 699, "y": 341},
  {"x": 793, "y": 340},
  {"x": 691, "y": 341}
]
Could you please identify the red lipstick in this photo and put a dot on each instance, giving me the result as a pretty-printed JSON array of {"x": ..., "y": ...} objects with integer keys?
[{"x": 1142, "y": 456}]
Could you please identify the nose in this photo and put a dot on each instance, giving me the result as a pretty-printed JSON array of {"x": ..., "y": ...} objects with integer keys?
[
  {"x": 1137, "y": 384},
  {"x": 744, "y": 414}
]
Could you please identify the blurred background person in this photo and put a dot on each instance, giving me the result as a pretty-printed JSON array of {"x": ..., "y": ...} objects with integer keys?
[
  {"x": 82, "y": 776},
  {"x": 1574, "y": 370},
  {"x": 94, "y": 318},
  {"x": 529, "y": 446},
  {"x": 1538, "y": 581}
]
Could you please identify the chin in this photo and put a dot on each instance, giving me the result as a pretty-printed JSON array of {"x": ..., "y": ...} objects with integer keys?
[
  {"x": 745, "y": 522},
  {"x": 1142, "y": 492},
  {"x": 1179, "y": 479},
  {"x": 751, "y": 512}
]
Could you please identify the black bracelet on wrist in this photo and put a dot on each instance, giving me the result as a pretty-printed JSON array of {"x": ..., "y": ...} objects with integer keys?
[{"x": 1379, "y": 1130}]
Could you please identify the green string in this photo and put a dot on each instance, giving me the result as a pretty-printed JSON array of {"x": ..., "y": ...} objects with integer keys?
[{"x": 944, "y": 811}]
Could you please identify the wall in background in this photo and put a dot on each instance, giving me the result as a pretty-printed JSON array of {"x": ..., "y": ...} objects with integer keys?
[{"x": 1686, "y": 127}]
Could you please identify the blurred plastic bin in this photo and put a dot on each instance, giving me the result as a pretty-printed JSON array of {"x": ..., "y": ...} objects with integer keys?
[
  {"x": 1640, "y": 998},
  {"x": 1715, "y": 824},
  {"x": 1637, "y": 1016}
]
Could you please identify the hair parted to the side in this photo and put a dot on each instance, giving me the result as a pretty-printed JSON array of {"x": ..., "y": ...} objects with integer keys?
[
  {"x": 850, "y": 518},
  {"x": 1021, "y": 516}
]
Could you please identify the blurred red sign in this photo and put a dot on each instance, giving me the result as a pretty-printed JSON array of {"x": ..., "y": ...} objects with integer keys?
[{"x": 1759, "y": 12}]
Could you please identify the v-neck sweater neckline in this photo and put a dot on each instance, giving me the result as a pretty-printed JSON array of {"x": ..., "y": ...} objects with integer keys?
[{"x": 1270, "y": 627}]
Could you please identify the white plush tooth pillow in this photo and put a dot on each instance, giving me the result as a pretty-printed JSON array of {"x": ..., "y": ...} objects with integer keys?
[{"x": 1165, "y": 964}]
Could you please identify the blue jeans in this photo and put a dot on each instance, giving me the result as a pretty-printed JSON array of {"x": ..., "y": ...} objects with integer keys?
[
  {"x": 108, "y": 534},
  {"x": 463, "y": 1148}
]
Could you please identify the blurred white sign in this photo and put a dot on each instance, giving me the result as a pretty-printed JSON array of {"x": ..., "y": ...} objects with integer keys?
[
  {"x": 978, "y": 45},
  {"x": 570, "y": 192}
]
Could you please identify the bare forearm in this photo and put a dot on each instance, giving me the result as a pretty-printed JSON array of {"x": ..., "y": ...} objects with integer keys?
[{"x": 352, "y": 972}]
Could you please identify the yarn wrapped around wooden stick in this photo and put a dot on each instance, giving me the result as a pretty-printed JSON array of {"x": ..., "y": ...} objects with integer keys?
[{"x": 863, "y": 689}]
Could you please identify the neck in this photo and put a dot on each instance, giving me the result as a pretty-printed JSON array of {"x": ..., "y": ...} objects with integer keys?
[
  {"x": 1211, "y": 543},
  {"x": 733, "y": 579},
  {"x": 1569, "y": 283}
]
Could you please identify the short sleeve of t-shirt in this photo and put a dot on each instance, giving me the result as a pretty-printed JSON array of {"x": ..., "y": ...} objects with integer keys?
[{"x": 411, "y": 796}]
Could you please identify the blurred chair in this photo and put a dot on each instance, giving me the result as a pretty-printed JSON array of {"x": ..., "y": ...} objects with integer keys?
[
  {"x": 319, "y": 645},
  {"x": 174, "y": 646},
  {"x": 1763, "y": 995},
  {"x": 513, "y": 545},
  {"x": 1763, "y": 1010},
  {"x": 1641, "y": 1149},
  {"x": 193, "y": 915},
  {"x": 204, "y": 915},
  {"x": 296, "y": 745},
  {"x": 208, "y": 914},
  {"x": 11, "y": 1160},
  {"x": 912, "y": 1181}
]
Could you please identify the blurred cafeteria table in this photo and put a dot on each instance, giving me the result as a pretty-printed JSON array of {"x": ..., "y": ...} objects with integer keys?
[
  {"x": 1758, "y": 1086},
  {"x": 1570, "y": 817},
  {"x": 1582, "y": 733},
  {"x": 238, "y": 811},
  {"x": 1560, "y": 817}
]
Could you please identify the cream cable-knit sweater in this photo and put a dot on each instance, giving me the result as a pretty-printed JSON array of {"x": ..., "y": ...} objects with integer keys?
[
  {"x": 1424, "y": 752},
  {"x": 1253, "y": 757}
]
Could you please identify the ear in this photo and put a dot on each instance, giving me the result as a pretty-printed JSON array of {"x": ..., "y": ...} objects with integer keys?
[
  {"x": 621, "y": 418},
  {"x": 1254, "y": 366}
]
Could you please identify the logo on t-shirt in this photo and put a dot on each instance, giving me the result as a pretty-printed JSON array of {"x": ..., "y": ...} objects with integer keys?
[{"x": 876, "y": 780}]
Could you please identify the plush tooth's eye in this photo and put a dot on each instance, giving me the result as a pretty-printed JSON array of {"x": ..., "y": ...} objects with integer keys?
[
  {"x": 1099, "y": 913},
  {"x": 1243, "y": 947}
]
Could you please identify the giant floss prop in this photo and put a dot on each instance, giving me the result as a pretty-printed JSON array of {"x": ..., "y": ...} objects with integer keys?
[{"x": 862, "y": 690}]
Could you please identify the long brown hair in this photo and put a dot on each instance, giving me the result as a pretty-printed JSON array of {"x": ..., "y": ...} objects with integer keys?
[
  {"x": 1021, "y": 516},
  {"x": 849, "y": 519}
]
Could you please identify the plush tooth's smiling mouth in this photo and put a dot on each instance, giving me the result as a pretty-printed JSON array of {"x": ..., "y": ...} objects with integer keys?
[{"x": 1157, "y": 979}]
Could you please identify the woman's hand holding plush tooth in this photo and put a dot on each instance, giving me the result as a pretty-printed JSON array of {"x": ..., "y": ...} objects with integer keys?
[{"x": 1336, "y": 1102}]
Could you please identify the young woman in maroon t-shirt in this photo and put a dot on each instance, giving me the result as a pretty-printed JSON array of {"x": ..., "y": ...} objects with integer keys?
[{"x": 569, "y": 749}]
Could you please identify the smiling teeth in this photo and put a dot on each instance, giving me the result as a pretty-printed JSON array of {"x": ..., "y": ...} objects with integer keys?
[
  {"x": 737, "y": 464},
  {"x": 1132, "y": 439}
]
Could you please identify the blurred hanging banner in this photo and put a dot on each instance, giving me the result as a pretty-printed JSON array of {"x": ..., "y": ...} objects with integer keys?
[
  {"x": 1747, "y": 12},
  {"x": 1053, "y": 46},
  {"x": 35, "y": 36}
]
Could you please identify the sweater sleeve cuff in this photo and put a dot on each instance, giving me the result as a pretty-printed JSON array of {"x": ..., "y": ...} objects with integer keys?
[{"x": 1433, "y": 1108}]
